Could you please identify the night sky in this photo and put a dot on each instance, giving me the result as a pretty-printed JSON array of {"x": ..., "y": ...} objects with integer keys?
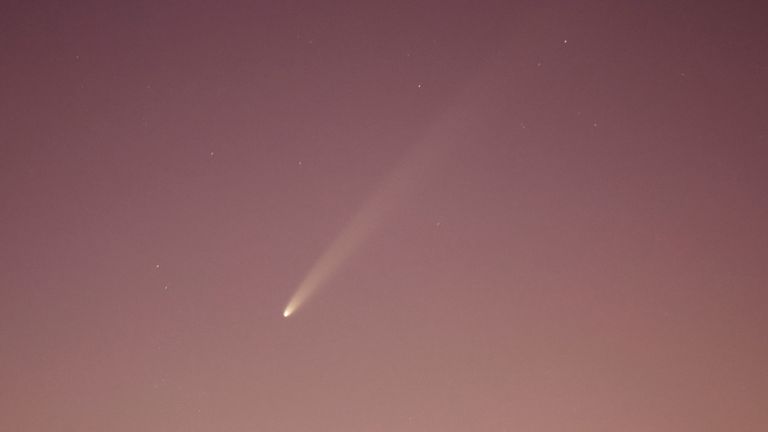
[{"x": 487, "y": 216}]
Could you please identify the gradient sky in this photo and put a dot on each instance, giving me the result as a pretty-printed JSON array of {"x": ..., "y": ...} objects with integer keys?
[{"x": 564, "y": 216}]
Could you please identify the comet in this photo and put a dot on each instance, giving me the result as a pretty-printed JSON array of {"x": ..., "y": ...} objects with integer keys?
[
  {"x": 396, "y": 188},
  {"x": 349, "y": 240},
  {"x": 432, "y": 151}
]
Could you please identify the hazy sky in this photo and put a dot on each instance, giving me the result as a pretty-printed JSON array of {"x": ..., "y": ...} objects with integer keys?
[{"x": 526, "y": 216}]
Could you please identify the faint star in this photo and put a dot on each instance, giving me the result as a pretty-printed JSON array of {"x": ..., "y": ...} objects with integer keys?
[{"x": 418, "y": 85}]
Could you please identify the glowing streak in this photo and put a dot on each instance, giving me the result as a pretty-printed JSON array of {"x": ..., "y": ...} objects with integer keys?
[
  {"x": 438, "y": 143},
  {"x": 348, "y": 241},
  {"x": 397, "y": 187}
]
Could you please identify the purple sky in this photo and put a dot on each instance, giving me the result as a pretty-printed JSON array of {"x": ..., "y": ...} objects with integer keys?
[{"x": 559, "y": 213}]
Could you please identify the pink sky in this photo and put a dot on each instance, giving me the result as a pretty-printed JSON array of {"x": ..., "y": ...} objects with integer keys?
[{"x": 559, "y": 213}]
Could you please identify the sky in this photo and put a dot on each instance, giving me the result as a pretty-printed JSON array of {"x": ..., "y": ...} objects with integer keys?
[{"x": 478, "y": 216}]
